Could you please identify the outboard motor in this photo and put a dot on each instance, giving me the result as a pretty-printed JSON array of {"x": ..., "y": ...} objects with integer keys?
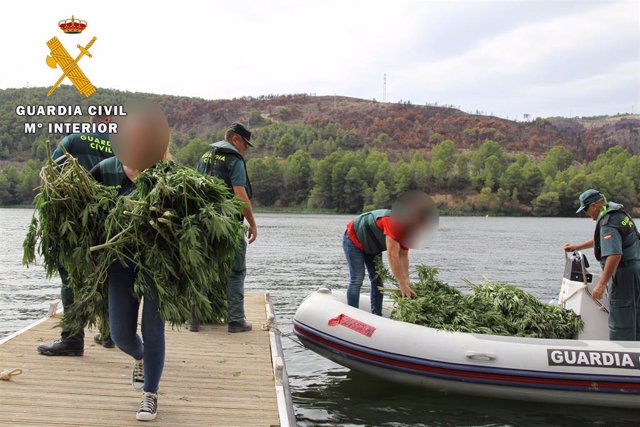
[{"x": 575, "y": 294}]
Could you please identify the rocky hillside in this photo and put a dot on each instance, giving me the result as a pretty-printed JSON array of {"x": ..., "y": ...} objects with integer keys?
[{"x": 393, "y": 127}]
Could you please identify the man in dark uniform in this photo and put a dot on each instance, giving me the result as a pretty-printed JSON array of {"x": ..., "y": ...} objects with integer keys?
[
  {"x": 89, "y": 149},
  {"x": 617, "y": 246},
  {"x": 226, "y": 162}
]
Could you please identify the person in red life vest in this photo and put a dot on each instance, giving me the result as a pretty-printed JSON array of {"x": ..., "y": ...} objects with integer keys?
[{"x": 392, "y": 230}]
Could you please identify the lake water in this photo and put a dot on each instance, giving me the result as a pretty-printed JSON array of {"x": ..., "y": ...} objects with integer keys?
[{"x": 296, "y": 254}]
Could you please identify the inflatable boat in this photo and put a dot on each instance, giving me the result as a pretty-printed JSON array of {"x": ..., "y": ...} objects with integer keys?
[{"x": 588, "y": 370}]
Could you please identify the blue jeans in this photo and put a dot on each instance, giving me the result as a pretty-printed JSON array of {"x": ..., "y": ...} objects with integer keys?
[
  {"x": 357, "y": 260},
  {"x": 123, "y": 315}
]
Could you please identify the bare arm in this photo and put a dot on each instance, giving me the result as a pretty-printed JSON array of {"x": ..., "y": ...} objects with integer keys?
[
  {"x": 241, "y": 194},
  {"x": 570, "y": 247},
  {"x": 399, "y": 263},
  {"x": 610, "y": 267}
]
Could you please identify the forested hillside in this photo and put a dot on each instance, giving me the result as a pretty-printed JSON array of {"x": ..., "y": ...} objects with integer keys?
[{"x": 347, "y": 154}]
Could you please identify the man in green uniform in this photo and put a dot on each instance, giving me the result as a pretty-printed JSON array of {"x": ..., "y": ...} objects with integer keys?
[
  {"x": 617, "y": 246},
  {"x": 225, "y": 161},
  {"x": 90, "y": 149}
]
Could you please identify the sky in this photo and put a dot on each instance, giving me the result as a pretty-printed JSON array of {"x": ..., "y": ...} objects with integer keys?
[{"x": 507, "y": 58}]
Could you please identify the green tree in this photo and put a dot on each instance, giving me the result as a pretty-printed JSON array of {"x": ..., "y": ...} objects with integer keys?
[
  {"x": 513, "y": 178},
  {"x": 487, "y": 164},
  {"x": 353, "y": 192},
  {"x": 443, "y": 158},
  {"x": 493, "y": 168},
  {"x": 384, "y": 173},
  {"x": 374, "y": 161},
  {"x": 614, "y": 158},
  {"x": 190, "y": 154},
  {"x": 266, "y": 178},
  {"x": 631, "y": 169},
  {"x": 286, "y": 145},
  {"x": 381, "y": 197},
  {"x": 12, "y": 187},
  {"x": 557, "y": 160},
  {"x": 5, "y": 195},
  {"x": 402, "y": 178},
  {"x": 421, "y": 169},
  {"x": 322, "y": 192},
  {"x": 534, "y": 182},
  {"x": 339, "y": 173},
  {"x": 29, "y": 181},
  {"x": 297, "y": 178},
  {"x": 547, "y": 204},
  {"x": 461, "y": 174}
]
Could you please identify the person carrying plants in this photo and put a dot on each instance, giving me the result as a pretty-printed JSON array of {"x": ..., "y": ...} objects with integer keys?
[
  {"x": 142, "y": 142},
  {"x": 89, "y": 150}
]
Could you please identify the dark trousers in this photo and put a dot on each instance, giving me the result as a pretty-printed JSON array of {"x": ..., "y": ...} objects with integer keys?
[
  {"x": 235, "y": 284},
  {"x": 66, "y": 295},
  {"x": 123, "y": 317},
  {"x": 357, "y": 260},
  {"x": 624, "y": 302}
]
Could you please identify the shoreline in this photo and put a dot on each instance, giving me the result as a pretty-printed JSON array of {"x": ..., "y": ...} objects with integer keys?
[{"x": 308, "y": 211}]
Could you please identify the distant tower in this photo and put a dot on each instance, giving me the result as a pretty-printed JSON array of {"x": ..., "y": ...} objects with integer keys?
[
  {"x": 384, "y": 88},
  {"x": 526, "y": 117}
]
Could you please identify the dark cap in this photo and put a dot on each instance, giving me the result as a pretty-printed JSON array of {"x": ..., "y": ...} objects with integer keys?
[
  {"x": 240, "y": 129},
  {"x": 588, "y": 197}
]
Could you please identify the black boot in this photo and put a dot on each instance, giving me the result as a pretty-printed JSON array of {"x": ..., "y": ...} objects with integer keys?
[
  {"x": 62, "y": 347},
  {"x": 240, "y": 326},
  {"x": 106, "y": 343},
  {"x": 194, "y": 326}
]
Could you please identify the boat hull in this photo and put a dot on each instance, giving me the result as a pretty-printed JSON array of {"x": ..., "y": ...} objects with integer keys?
[{"x": 601, "y": 373}]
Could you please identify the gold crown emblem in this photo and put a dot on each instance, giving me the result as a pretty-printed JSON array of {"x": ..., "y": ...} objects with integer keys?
[{"x": 73, "y": 25}]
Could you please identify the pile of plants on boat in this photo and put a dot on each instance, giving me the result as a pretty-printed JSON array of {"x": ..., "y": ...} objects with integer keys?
[
  {"x": 178, "y": 228},
  {"x": 491, "y": 308}
]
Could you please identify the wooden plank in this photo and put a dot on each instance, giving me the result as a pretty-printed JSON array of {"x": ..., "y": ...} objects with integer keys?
[{"x": 210, "y": 378}]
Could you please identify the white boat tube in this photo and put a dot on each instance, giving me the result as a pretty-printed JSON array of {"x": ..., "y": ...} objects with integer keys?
[{"x": 580, "y": 371}]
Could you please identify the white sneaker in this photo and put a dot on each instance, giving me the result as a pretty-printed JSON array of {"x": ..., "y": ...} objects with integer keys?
[
  {"x": 137, "y": 376},
  {"x": 148, "y": 409}
]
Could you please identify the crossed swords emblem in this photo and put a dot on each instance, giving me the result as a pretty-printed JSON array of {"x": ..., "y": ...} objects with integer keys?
[{"x": 70, "y": 69}]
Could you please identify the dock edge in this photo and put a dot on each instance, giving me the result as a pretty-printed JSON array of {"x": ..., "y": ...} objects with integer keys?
[{"x": 286, "y": 413}]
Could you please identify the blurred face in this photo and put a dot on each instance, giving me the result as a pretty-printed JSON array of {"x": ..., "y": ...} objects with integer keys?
[
  {"x": 417, "y": 215},
  {"x": 143, "y": 136}
]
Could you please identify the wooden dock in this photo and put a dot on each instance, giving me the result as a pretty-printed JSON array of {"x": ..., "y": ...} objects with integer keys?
[{"x": 210, "y": 378}]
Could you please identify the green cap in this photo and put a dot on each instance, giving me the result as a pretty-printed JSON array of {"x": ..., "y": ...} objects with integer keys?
[{"x": 588, "y": 197}]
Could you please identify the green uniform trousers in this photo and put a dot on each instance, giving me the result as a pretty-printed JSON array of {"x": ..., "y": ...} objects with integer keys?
[
  {"x": 624, "y": 301},
  {"x": 235, "y": 284}
]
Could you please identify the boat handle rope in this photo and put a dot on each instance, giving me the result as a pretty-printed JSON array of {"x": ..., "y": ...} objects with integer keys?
[
  {"x": 475, "y": 355},
  {"x": 6, "y": 375},
  {"x": 270, "y": 325}
]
